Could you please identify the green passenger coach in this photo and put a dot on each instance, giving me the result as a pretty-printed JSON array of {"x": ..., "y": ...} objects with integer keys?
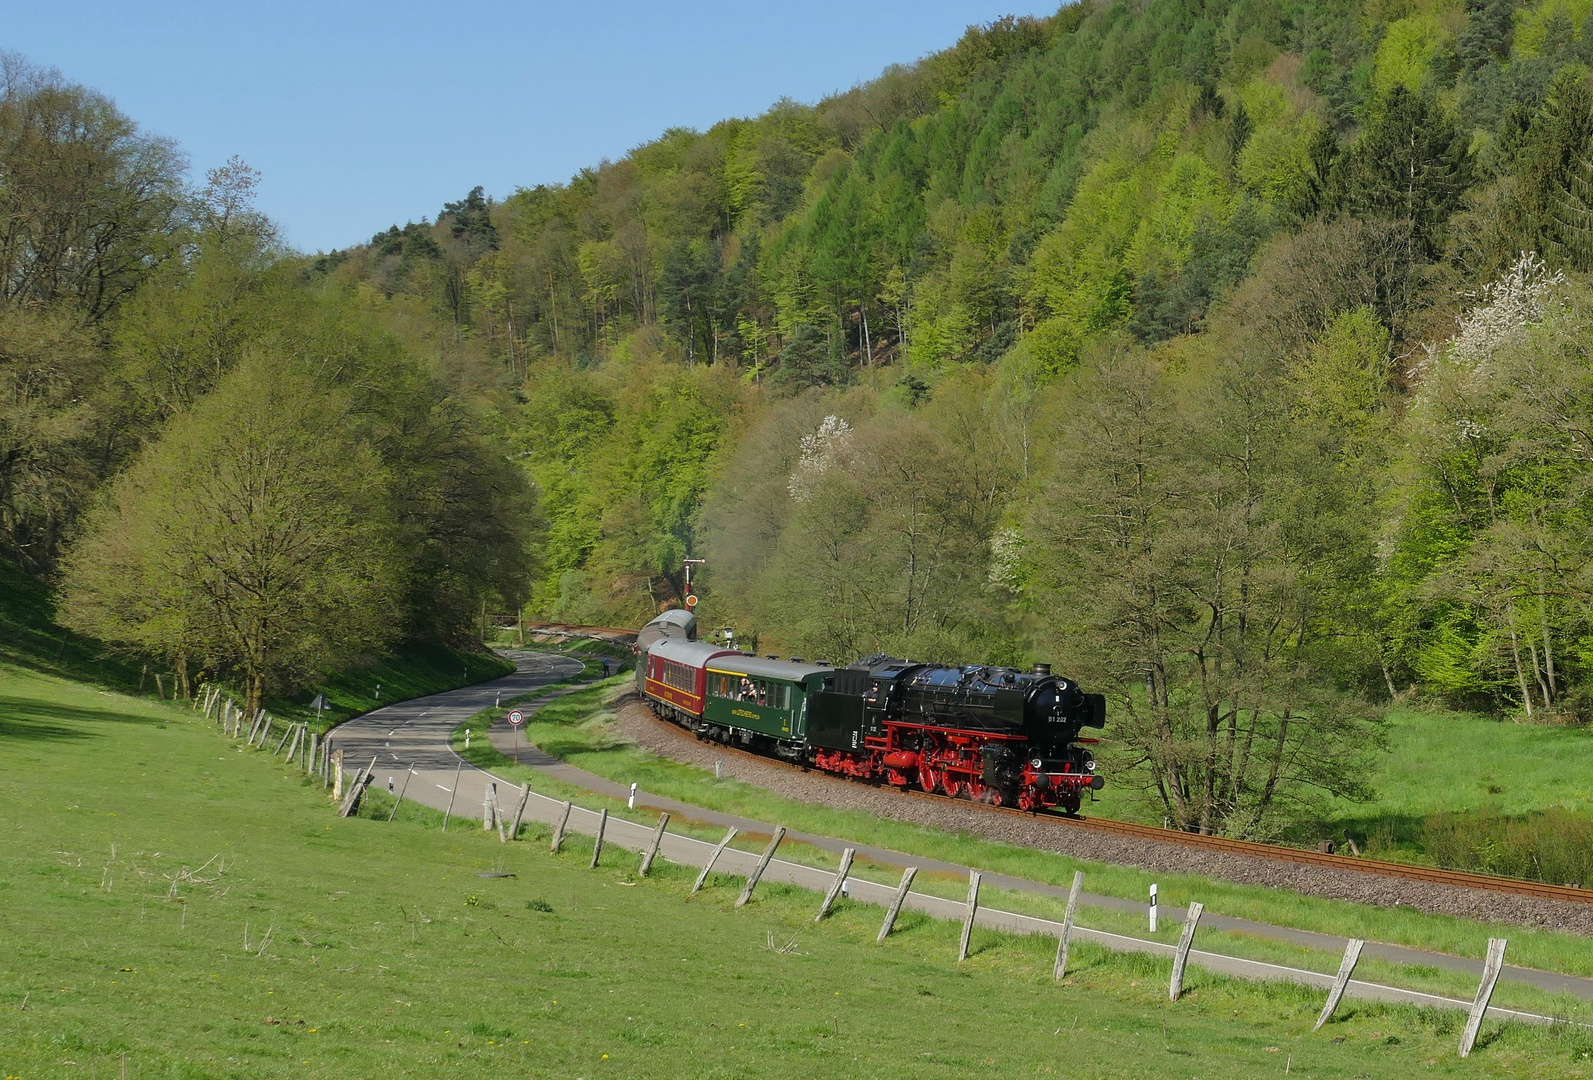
[{"x": 750, "y": 695}]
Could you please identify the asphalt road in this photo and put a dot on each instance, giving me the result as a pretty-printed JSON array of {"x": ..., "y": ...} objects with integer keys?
[{"x": 413, "y": 737}]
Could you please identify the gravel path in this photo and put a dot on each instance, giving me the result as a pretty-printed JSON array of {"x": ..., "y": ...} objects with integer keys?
[{"x": 636, "y": 723}]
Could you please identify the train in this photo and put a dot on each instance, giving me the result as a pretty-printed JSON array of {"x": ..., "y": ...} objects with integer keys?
[{"x": 994, "y": 735}]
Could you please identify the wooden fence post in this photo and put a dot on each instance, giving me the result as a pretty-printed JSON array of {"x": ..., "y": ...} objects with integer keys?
[
  {"x": 1061, "y": 965},
  {"x": 519, "y": 812},
  {"x": 763, "y": 864},
  {"x": 337, "y": 774},
  {"x": 1185, "y": 939},
  {"x": 968, "y": 920},
  {"x": 835, "y": 886},
  {"x": 597, "y": 846},
  {"x": 652, "y": 849},
  {"x": 453, "y": 793},
  {"x": 286, "y": 734},
  {"x": 1352, "y": 953},
  {"x": 1479, "y": 1008},
  {"x": 713, "y": 857},
  {"x": 488, "y": 800},
  {"x": 558, "y": 831},
  {"x": 896, "y": 904},
  {"x": 356, "y": 788},
  {"x": 401, "y": 789}
]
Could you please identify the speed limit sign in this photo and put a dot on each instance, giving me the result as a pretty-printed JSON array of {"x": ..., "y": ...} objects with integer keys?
[{"x": 517, "y": 718}]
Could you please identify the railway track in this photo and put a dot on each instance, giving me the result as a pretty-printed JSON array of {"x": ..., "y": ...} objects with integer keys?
[{"x": 1275, "y": 852}]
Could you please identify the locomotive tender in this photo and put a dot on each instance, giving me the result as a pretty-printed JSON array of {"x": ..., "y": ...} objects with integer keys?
[{"x": 990, "y": 734}]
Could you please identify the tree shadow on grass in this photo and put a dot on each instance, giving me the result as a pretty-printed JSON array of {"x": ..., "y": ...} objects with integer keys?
[{"x": 31, "y": 718}]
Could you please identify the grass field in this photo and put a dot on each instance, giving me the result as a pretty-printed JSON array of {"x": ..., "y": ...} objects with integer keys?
[
  {"x": 1441, "y": 762},
  {"x": 577, "y": 729},
  {"x": 199, "y": 910},
  {"x": 1458, "y": 763}
]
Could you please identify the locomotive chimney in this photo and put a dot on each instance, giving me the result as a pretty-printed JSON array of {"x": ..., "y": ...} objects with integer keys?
[{"x": 1042, "y": 669}]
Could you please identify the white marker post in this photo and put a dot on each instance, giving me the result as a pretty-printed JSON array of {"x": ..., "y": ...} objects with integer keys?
[
  {"x": 630, "y": 803},
  {"x": 1153, "y": 910}
]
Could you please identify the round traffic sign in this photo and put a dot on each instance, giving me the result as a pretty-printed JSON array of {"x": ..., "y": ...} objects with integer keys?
[
  {"x": 691, "y": 600},
  {"x": 517, "y": 718}
]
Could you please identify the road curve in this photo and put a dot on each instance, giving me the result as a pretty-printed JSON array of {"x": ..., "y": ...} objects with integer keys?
[{"x": 415, "y": 735}]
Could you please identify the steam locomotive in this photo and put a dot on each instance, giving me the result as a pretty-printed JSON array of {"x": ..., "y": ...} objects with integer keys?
[{"x": 990, "y": 734}]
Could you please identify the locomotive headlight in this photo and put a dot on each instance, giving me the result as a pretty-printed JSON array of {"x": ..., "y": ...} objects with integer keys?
[
  {"x": 1089, "y": 764},
  {"x": 1037, "y": 763}
]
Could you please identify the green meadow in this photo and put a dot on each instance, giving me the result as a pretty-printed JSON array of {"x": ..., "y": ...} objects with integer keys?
[{"x": 185, "y": 908}]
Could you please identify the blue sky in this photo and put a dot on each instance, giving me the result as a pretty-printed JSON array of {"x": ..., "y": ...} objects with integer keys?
[{"x": 364, "y": 114}]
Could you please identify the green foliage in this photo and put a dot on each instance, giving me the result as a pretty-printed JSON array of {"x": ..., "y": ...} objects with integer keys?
[
  {"x": 253, "y": 538},
  {"x": 1410, "y": 165},
  {"x": 808, "y": 361},
  {"x": 621, "y": 459},
  {"x": 1270, "y": 213}
]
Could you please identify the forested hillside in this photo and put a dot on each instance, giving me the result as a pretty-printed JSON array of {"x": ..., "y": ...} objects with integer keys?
[
  {"x": 1231, "y": 355},
  {"x": 230, "y": 465}
]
